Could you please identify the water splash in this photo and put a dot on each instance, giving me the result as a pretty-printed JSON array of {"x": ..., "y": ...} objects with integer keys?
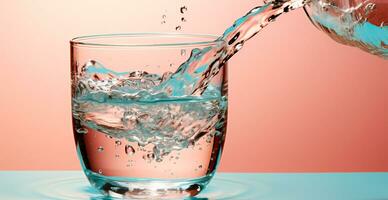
[
  {"x": 194, "y": 75},
  {"x": 361, "y": 24},
  {"x": 168, "y": 126}
]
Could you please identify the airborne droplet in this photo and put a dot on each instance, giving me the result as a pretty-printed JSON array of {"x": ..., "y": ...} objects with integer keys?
[
  {"x": 183, "y": 9},
  {"x": 183, "y": 52},
  {"x": 163, "y": 19}
]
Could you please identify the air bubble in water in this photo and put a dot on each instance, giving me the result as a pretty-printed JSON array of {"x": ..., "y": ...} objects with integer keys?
[
  {"x": 100, "y": 149},
  {"x": 183, "y": 9},
  {"x": 149, "y": 157},
  {"x": 82, "y": 131},
  {"x": 209, "y": 138},
  {"x": 129, "y": 119},
  {"x": 100, "y": 171},
  {"x": 129, "y": 150}
]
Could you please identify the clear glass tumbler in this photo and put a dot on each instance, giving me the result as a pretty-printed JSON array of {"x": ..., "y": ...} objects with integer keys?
[{"x": 133, "y": 143}]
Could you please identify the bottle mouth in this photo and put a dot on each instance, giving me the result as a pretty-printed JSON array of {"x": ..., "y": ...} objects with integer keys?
[{"x": 147, "y": 40}]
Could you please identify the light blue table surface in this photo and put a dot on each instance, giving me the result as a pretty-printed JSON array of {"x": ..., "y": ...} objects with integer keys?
[{"x": 63, "y": 185}]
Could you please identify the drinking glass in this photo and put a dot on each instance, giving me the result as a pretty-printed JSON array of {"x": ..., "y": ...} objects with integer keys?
[
  {"x": 132, "y": 141},
  {"x": 359, "y": 23}
]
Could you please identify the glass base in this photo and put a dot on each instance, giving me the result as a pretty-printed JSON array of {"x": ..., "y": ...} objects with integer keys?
[{"x": 134, "y": 188}]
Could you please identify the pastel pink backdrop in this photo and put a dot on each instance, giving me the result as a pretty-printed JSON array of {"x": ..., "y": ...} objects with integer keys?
[{"x": 298, "y": 100}]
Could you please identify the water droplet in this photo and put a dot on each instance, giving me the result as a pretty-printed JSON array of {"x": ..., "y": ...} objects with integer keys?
[
  {"x": 82, "y": 131},
  {"x": 183, "y": 19},
  {"x": 200, "y": 166},
  {"x": 183, "y": 52},
  {"x": 129, "y": 150},
  {"x": 163, "y": 19},
  {"x": 183, "y": 9},
  {"x": 117, "y": 142},
  {"x": 117, "y": 156},
  {"x": 108, "y": 136},
  {"x": 100, "y": 149},
  {"x": 200, "y": 148},
  {"x": 100, "y": 171},
  {"x": 178, "y": 28}
]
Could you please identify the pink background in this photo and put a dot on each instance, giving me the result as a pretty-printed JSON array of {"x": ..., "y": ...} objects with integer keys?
[{"x": 298, "y": 101}]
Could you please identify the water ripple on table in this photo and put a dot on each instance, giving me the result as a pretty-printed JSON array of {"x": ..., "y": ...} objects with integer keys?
[{"x": 79, "y": 188}]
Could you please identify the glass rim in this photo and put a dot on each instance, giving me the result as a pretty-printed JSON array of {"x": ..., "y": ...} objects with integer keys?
[{"x": 213, "y": 40}]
